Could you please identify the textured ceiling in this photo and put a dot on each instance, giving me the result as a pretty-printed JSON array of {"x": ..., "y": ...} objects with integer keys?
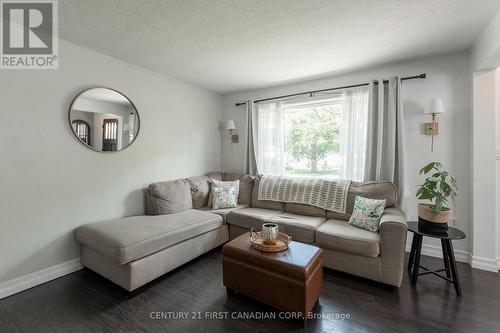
[{"x": 229, "y": 45}]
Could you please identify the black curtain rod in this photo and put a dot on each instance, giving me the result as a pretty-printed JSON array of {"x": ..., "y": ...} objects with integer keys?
[{"x": 419, "y": 76}]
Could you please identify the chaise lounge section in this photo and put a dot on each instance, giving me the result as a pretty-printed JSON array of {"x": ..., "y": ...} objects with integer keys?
[{"x": 133, "y": 251}]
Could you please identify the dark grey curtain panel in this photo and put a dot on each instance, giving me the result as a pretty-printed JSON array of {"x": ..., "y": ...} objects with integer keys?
[
  {"x": 385, "y": 138},
  {"x": 250, "y": 156}
]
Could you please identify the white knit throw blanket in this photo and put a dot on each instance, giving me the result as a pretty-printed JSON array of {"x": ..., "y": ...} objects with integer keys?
[{"x": 323, "y": 193}]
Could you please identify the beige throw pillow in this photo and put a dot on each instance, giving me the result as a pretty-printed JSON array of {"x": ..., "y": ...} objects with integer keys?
[
  {"x": 224, "y": 197},
  {"x": 221, "y": 183}
]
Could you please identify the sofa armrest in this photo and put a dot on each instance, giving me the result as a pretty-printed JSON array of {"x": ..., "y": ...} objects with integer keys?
[{"x": 392, "y": 231}]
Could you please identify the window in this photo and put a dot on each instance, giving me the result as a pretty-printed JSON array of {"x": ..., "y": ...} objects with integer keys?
[
  {"x": 82, "y": 130},
  {"x": 314, "y": 137}
]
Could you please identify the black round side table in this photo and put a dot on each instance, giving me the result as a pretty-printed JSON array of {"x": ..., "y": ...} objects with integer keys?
[{"x": 448, "y": 256}]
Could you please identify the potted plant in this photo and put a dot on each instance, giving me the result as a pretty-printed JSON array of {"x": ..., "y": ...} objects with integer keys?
[{"x": 437, "y": 188}]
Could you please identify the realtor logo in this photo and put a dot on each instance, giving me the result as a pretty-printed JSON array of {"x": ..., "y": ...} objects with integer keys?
[{"x": 29, "y": 35}]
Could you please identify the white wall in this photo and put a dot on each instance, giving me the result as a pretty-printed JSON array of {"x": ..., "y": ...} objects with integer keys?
[
  {"x": 486, "y": 48},
  {"x": 447, "y": 77},
  {"x": 485, "y": 59},
  {"x": 483, "y": 170},
  {"x": 41, "y": 201}
]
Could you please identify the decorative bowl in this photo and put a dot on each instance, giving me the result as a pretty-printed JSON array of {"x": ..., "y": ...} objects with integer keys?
[{"x": 258, "y": 242}]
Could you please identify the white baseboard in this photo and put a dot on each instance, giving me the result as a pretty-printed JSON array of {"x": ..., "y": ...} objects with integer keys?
[
  {"x": 437, "y": 252},
  {"x": 31, "y": 280},
  {"x": 485, "y": 264}
]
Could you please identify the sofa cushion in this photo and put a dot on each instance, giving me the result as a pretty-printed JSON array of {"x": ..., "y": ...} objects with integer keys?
[
  {"x": 370, "y": 190},
  {"x": 251, "y": 217},
  {"x": 302, "y": 228},
  {"x": 265, "y": 204},
  {"x": 170, "y": 196},
  {"x": 340, "y": 236},
  {"x": 215, "y": 175},
  {"x": 127, "y": 239},
  {"x": 230, "y": 176},
  {"x": 246, "y": 186},
  {"x": 301, "y": 209},
  {"x": 200, "y": 190},
  {"x": 222, "y": 212}
]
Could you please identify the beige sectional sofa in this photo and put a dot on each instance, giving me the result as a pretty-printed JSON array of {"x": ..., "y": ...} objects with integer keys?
[{"x": 179, "y": 226}]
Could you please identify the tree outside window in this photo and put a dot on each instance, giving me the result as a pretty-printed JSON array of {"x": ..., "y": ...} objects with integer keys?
[{"x": 312, "y": 140}]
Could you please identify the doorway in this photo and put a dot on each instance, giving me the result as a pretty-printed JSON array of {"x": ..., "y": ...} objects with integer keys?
[{"x": 109, "y": 134}]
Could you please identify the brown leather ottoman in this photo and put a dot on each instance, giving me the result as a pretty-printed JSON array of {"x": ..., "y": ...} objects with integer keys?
[{"x": 290, "y": 280}]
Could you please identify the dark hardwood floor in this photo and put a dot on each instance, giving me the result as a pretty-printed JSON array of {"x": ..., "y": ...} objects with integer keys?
[{"x": 85, "y": 302}]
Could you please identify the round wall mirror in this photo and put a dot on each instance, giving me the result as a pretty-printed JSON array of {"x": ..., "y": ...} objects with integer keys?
[{"x": 104, "y": 119}]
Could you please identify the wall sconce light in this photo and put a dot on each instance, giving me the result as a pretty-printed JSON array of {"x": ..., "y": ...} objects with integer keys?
[
  {"x": 433, "y": 128},
  {"x": 231, "y": 126}
]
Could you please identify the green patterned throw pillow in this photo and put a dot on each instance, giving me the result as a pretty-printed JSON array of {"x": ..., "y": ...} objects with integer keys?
[
  {"x": 224, "y": 197},
  {"x": 367, "y": 213}
]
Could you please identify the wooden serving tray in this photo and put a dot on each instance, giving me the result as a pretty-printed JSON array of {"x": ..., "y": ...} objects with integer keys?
[{"x": 280, "y": 244}]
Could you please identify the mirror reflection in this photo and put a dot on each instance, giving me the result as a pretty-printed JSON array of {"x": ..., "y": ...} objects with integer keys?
[{"x": 104, "y": 119}]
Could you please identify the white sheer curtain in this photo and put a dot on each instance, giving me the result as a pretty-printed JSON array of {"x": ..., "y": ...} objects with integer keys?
[
  {"x": 353, "y": 134},
  {"x": 270, "y": 138},
  {"x": 268, "y": 124}
]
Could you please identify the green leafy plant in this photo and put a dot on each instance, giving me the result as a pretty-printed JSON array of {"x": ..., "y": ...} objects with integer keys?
[{"x": 438, "y": 187}]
